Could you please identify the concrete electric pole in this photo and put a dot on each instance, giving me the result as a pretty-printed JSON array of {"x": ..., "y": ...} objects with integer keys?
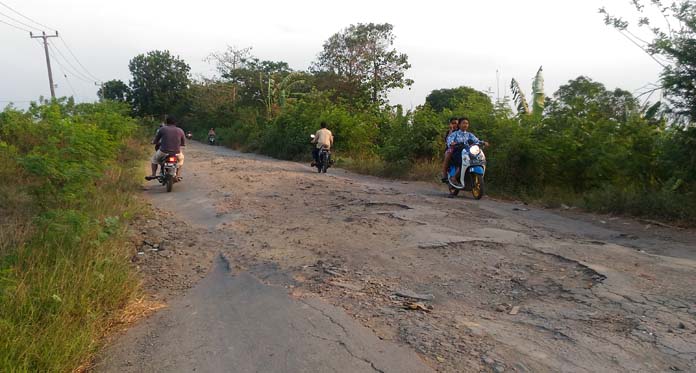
[{"x": 48, "y": 59}]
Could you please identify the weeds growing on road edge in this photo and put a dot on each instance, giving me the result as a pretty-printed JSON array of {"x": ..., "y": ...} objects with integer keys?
[{"x": 64, "y": 267}]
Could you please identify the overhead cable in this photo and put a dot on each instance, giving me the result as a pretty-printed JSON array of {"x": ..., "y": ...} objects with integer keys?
[
  {"x": 58, "y": 61},
  {"x": 27, "y": 18},
  {"x": 77, "y": 60},
  {"x": 20, "y": 22},
  {"x": 74, "y": 71},
  {"x": 17, "y": 27}
]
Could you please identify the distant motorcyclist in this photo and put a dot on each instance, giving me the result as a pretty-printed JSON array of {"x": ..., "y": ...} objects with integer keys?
[
  {"x": 323, "y": 138},
  {"x": 170, "y": 139},
  {"x": 456, "y": 142},
  {"x": 211, "y": 136}
]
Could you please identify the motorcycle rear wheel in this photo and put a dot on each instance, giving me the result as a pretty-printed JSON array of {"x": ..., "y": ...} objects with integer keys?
[
  {"x": 477, "y": 186},
  {"x": 169, "y": 182},
  {"x": 323, "y": 162}
]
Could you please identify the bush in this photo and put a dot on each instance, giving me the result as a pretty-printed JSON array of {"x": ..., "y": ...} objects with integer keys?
[{"x": 63, "y": 270}]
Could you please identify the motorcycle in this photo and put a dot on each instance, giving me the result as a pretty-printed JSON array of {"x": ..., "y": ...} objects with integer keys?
[
  {"x": 168, "y": 166},
  {"x": 211, "y": 139},
  {"x": 473, "y": 168},
  {"x": 189, "y": 135},
  {"x": 324, "y": 160}
]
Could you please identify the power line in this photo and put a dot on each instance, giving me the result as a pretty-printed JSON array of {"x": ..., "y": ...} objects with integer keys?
[
  {"x": 25, "y": 17},
  {"x": 70, "y": 85},
  {"x": 643, "y": 48},
  {"x": 74, "y": 70},
  {"x": 63, "y": 68},
  {"x": 17, "y": 27},
  {"x": 89, "y": 74},
  {"x": 76, "y": 73},
  {"x": 66, "y": 79},
  {"x": 78, "y": 61},
  {"x": 20, "y": 22}
]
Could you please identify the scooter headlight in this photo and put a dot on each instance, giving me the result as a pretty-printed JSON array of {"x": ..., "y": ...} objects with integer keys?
[{"x": 475, "y": 150}]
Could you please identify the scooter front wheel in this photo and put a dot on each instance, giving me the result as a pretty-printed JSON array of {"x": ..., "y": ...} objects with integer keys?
[{"x": 477, "y": 187}]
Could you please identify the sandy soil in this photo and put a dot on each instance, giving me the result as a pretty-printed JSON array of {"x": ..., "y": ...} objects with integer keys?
[{"x": 469, "y": 285}]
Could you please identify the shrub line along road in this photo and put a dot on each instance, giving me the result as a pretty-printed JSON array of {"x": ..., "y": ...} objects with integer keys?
[{"x": 268, "y": 266}]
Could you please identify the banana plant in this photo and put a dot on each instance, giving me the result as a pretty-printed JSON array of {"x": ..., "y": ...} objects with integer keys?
[
  {"x": 518, "y": 97},
  {"x": 277, "y": 92},
  {"x": 538, "y": 96},
  {"x": 284, "y": 89}
]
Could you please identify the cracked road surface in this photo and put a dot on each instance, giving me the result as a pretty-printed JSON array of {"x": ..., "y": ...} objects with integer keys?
[
  {"x": 343, "y": 272},
  {"x": 234, "y": 323}
]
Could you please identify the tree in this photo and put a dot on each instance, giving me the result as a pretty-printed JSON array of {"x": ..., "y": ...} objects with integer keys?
[
  {"x": 596, "y": 136},
  {"x": 673, "y": 46},
  {"x": 159, "y": 84},
  {"x": 363, "y": 61},
  {"x": 587, "y": 99},
  {"x": 227, "y": 64},
  {"x": 114, "y": 90},
  {"x": 453, "y": 98}
]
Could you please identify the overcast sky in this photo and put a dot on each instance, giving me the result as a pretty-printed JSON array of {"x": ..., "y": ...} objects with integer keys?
[{"x": 449, "y": 43}]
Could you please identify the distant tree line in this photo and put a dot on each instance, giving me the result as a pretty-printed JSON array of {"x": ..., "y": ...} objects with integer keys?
[{"x": 584, "y": 144}]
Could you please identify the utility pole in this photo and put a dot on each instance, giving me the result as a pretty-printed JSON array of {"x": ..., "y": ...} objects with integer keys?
[{"x": 48, "y": 59}]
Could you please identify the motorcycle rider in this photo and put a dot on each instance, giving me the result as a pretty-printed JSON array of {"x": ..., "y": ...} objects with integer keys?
[
  {"x": 323, "y": 138},
  {"x": 457, "y": 141},
  {"x": 170, "y": 139}
]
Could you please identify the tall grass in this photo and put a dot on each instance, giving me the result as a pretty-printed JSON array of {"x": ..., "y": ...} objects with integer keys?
[{"x": 64, "y": 257}]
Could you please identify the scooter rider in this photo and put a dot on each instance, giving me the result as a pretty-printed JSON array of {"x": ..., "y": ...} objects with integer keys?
[
  {"x": 323, "y": 138},
  {"x": 456, "y": 142},
  {"x": 170, "y": 139}
]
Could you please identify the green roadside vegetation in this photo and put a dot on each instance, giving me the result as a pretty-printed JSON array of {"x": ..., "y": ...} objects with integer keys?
[
  {"x": 68, "y": 182},
  {"x": 594, "y": 148},
  {"x": 603, "y": 149}
]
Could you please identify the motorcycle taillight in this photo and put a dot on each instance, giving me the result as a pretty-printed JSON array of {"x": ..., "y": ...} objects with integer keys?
[{"x": 171, "y": 159}]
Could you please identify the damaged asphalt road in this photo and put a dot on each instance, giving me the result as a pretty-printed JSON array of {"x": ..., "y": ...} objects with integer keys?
[
  {"x": 343, "y": 272},
  {"x": 234, "y": 323}
]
